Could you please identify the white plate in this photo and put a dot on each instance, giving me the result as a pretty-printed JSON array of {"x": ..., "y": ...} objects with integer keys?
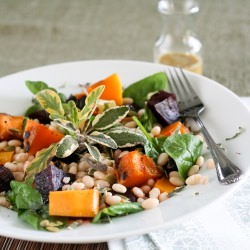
[{"x": 223, "y": 116}]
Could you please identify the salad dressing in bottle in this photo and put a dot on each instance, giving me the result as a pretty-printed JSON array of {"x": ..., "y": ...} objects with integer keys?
[{"x": 177, "y": 45}]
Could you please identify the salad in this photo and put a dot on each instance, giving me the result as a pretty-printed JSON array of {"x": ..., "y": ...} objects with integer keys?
[{"x": 99, "y": 154}]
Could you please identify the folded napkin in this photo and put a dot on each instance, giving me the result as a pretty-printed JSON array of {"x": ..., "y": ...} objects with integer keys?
[{"x": 223, "y": 226}]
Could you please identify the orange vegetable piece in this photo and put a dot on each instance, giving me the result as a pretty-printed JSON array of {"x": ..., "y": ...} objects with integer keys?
[
  {"x": 38, "y": 136},
  {"x": 6, "y": 156},
  {"x": 172, "y": 128},
  {"x": 164, "y": 185},
  {"x": 74, "y": 203},
  {"x": 112, "y": 91},
  {"x": 135, "y": 169},
  {"x": 11, "y": 127}
]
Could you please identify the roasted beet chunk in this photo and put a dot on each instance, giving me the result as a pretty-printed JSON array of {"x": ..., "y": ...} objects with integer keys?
[
  {"x": 164, "y": 106},
  {"x": 50, "y": 179},
  {"x": 41, "y": 115},
  {"x": 80, "y": 102},
  {"x": 6, "y": 177}
]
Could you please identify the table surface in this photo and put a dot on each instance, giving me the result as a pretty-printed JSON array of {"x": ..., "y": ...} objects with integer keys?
[{"x": 35, "y": 33}]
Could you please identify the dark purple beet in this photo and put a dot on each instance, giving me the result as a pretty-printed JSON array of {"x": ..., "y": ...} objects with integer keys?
[
  {"x": 41, "y": 115},
  {"x": 164, "y": 106},
  {"x": 6, "y": 177},
  {"x": 80, "y": 102},
  {"x": 50, "y": 179}
]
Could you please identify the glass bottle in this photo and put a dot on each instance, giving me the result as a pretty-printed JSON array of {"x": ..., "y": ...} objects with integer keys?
[{"x": 177, "y": 44}]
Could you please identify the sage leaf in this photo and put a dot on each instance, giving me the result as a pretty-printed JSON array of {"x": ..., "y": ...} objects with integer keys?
[
  {"x": 66, "y": 146},
  {"x": 40, "y": 162},
  {"x": 127, "y": 137},
  {"x": 51, "y": 102},
  {"x": 95, "y": 153},
  {"x": 71, "y": 112},
  {"x": 102, "y": 139},
  {"x": 184, "y": 149},
  {"x": 90, "y": 103},
  {"x": 110, "y": 117},
  {"x": 67, "y": 125}
]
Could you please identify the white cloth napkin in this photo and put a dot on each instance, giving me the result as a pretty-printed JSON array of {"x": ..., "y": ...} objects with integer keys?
[{"x": 223, "y": 226}]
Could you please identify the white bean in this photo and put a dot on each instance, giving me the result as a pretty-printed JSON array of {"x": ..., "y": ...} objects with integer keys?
[
  {"x": 83, "y": 165},
  {"x": 163, "y": 196},
  {"x": 3, "y": 144},
  {"x": 14, "y": 143},
  {"x": 22, "y": 157},
  {"x": 193, "y": 179},
  {"x": 127, "y": 100},
  {"x": 88, "y": 181},
  {"x": 114, "y": 199},
  {"x": 173, "y": 173},
  {"x": 154, "y": 193},
  {"x": 77, "y": 186},
  {"x": 145, "y": 189},
  {"x": 193, "y": 170},
  {"x": 131, "y": 124},
  {"x": 200, "y": 161},
  {"x": 150, "y": 203},
  {"x": 11, "y": 166},
  {"x": 151, "y": 182},
  {"x": 210, "y": 163},
  {"x": 176, "y": 181},
  {"x": 138, "y": 192},
  {"x": 99, "y": 175},
  {"x": 156, "y": 130},
  {"x": 101, "y": 184},
  {"x": 119, "y": 188},
  {"x": 162, "y": 159}
]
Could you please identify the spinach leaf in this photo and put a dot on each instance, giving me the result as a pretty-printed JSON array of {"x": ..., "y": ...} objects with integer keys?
[
  {"x": 148, "y": 119},
  {"x": 184, "y": 149},
  {"x": 23, "y": 196},
  {"x": 139, "y": 90},
  {"x": 117, "y": 210}
]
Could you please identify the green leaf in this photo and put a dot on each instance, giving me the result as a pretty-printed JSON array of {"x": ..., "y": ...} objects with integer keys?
[
  {"x": 117, "y": 210},
  {"x": 139, "y": 90},
  {"x": 148, "y": 119},
  {"x": 67, "y": 125},
  {"x": 110, "y": 117},
  {"x": 126, "y": 137},
  {"x": 90, "y": 103},
  {"x": 71, "y": 112},
  {"x": 95, "y": 153},
  {"x": 37, "y": 86},
  {"x": 154, "y": 147},
  {"x": 40, "y": 162},
  {"x": 51, "y": 102},
  {"x": 102, "y": 139},
  {"x": 184, "y": 149},
  {"x": 24, "y": 196},
  {"x": 66, "y": 146}
]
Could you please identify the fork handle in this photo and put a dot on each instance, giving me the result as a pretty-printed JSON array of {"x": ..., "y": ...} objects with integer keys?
[{"x": 227, "y": 171}]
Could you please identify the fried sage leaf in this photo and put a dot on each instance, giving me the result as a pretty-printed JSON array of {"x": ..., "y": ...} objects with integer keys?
[
  {"x": 127, "y": 137},
  {"x": 51, "y": 102},
  {"x": 110, "y": 117},
  {"x": 102, "y": 139},
  {"x": 66, "y": 146}
]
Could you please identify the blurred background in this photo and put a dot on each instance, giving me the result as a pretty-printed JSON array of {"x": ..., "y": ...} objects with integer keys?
[{"x": 40, "y": 32}]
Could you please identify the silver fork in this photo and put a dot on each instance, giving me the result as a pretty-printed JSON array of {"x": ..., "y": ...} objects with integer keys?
[{"x": 191, "y": 106}]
